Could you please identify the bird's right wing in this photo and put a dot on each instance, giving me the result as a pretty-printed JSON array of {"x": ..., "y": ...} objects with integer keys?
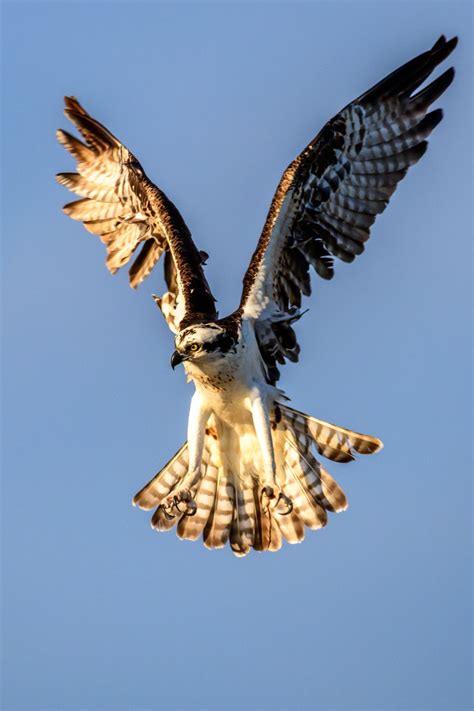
[{"x": 125, "y": 209}]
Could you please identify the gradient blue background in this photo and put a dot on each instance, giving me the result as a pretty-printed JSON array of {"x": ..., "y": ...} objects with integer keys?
[{"x": 100, "y": 611}]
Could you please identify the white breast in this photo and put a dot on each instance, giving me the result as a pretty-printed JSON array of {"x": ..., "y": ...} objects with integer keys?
[{"x": 225, "y": 382}]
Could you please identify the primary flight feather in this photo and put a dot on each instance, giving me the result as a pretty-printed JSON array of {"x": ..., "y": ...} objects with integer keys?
[{"x": 248, "y": 473}]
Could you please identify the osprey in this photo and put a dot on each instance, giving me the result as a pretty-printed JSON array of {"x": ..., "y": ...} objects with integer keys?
[{"x": 248, "y": 472}]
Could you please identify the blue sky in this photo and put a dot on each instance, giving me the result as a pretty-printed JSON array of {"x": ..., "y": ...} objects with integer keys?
[{"x": 100, "y": 612}]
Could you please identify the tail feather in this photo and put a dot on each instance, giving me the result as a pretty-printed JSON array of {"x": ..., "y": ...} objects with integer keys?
[
  {"x": 336, "y": 452},
  {"x": 242, "y": 532},
  {"x": 191, "y": 527},
  {"x": 160, "y": 486},
  {"x": 334, "y": 497},
  {"x": 161, "y": 522},
  {"x": 217, "y": 529},
  {"x": 228, "y": 493},
  {"x": 334, "y": 442},
  {"x": 275, "y": 540},
  {"x": 304, "y": 487},
  {"x": 267, "y": 532},
  {"x": 291, "y": 527},
  {"x": 318, "y": 482}
]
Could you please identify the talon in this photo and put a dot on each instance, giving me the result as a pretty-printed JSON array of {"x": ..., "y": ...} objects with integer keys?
[
  {"x": 167, "y": 508},
  {"x": 287, "y": 501},
  {"x": 174, "y": 501},
  {"x": 167, "y": 513},
  {"x": 268, "y": 494}
]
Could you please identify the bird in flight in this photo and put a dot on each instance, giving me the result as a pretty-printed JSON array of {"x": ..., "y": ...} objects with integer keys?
[{"x": 248, "y": 472}]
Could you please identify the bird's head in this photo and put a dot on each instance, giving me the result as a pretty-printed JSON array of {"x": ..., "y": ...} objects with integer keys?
[{"x": 205, "y": 341}]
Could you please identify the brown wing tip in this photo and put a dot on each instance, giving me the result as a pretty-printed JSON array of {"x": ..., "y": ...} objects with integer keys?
[
  {"x": 443, "y": 42},
  {"x": 449, "y": 75},
  {"x": 64, "y": 178},
  {"x": 112, "y": 270},
  {"x": 439, "y": 42},
  {"x": 443, "y": 47},
  {"x": 62, "y": 137},
  {"x": 72, "y": 104}
]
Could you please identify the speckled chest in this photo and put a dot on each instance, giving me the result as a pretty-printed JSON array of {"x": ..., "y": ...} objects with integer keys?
[
  {"x": 219, "y": 373},
  {"x": 230, "y": 374}
]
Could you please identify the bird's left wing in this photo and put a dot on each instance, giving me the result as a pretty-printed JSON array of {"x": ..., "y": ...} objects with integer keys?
[
  {"x": 329, "y": 197},
  {"x": 126, "y": 210}
]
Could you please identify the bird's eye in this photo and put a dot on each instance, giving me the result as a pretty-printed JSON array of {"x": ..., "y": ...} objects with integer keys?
[{"x": 194, "y": 347}]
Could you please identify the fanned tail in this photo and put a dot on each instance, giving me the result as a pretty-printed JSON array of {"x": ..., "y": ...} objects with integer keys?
[{"x": 227, "y": 504}]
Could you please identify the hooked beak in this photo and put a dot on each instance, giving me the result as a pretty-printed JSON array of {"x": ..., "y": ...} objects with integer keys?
[{"x": 176, "y": 359}]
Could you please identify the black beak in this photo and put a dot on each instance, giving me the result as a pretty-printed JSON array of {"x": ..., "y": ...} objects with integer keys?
[{"x": 176, "y": 359}]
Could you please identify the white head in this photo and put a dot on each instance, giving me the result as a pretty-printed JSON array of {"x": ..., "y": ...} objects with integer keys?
[{"x": 205, "y": 341}]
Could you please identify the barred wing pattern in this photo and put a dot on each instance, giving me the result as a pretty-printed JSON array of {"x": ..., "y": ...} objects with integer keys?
[
  {"x": 125, "y": 209},
  {"x": 329, "y": 197}
]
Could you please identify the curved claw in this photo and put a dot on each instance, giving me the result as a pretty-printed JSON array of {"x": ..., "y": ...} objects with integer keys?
[
  {"x": 268, "y": 494},
  {"x": 167, "y": 512},
  {"x": 286, "y": 500},
  {"x": 174, "y": 501}
]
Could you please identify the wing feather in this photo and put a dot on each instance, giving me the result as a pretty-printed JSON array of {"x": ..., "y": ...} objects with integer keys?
[
  {"x": 125, "y": 209},
  {"x": 330, "y": 195}
]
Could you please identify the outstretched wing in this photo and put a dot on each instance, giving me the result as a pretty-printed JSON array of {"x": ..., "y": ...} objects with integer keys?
[
  {"x": 126, "y": 210},
  {"x": 329, "y": 197}
]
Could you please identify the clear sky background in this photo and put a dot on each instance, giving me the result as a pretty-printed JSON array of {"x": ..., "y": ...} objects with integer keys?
[{"x": 215, "y": 100}]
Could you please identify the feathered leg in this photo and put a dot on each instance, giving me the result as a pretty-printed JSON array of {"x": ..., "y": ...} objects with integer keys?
[
  {"x": 221, "y": 477},
  {"x": 181, "y": 500},
  {"x": 270, "y": 489},
  {"x": 190, "y": 527}
]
